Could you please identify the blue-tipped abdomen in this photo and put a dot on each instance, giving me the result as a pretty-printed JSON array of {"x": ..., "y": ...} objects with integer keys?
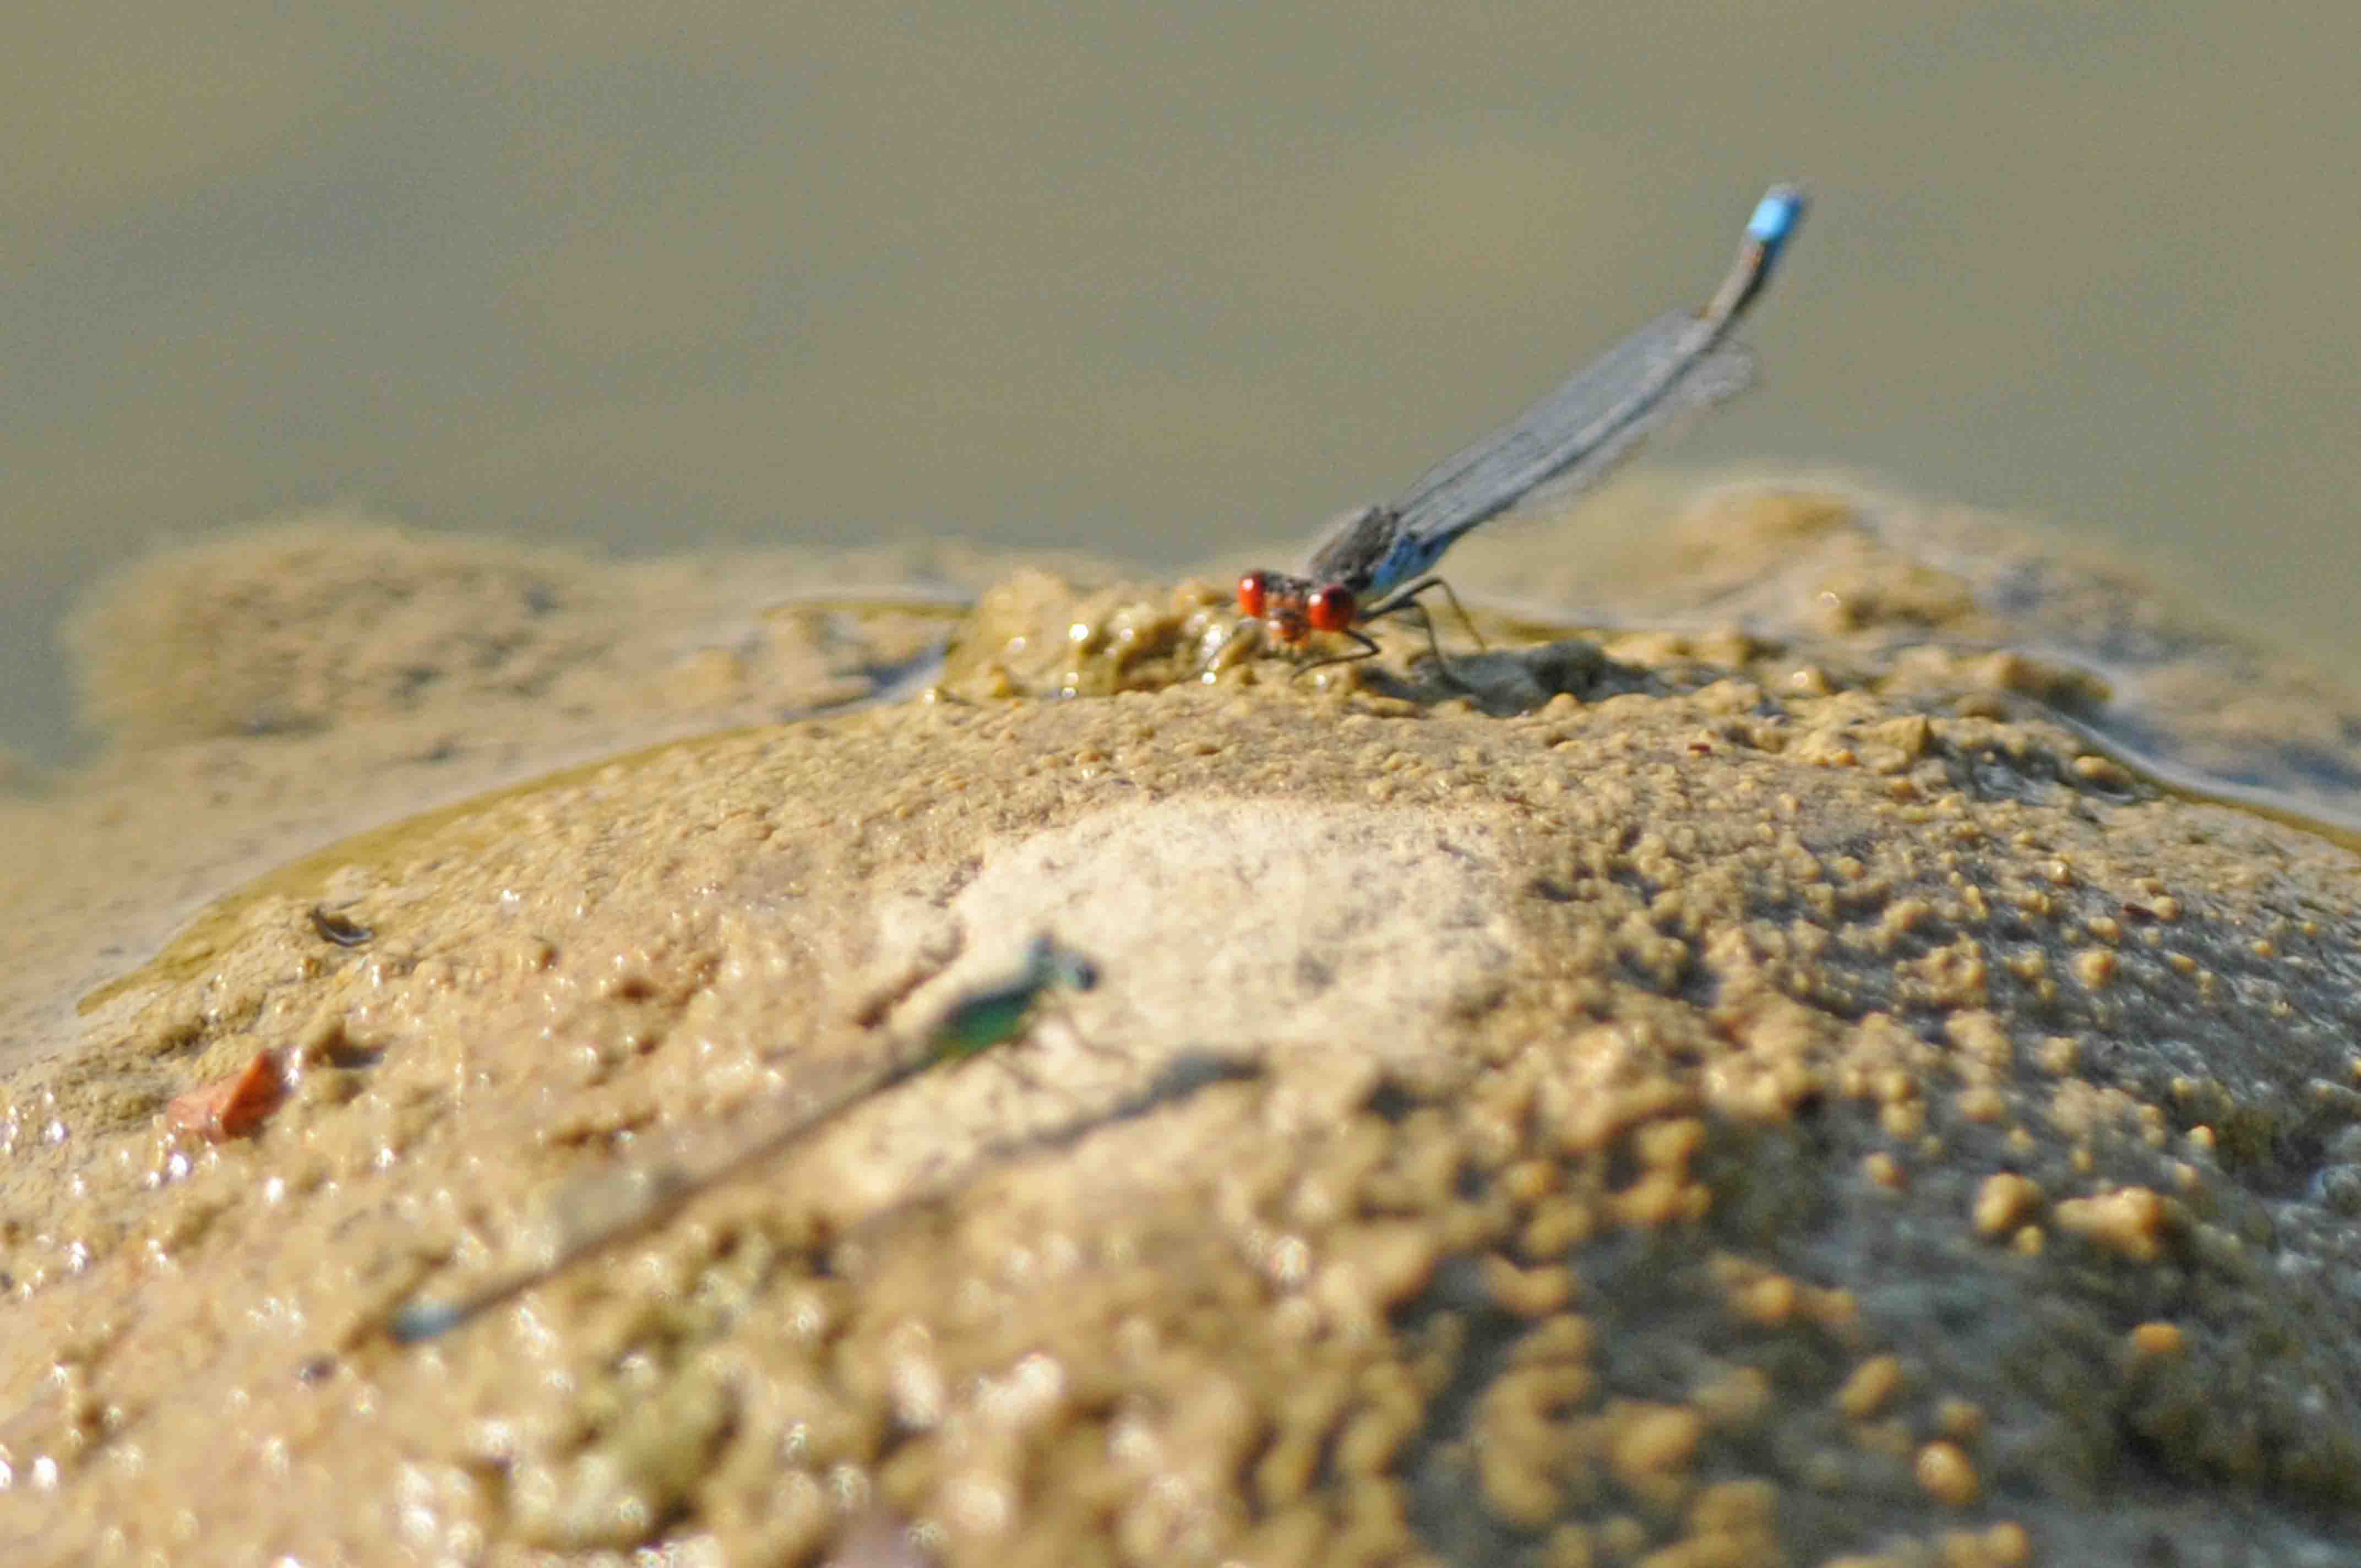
[{"x": 1777, "y": 216}]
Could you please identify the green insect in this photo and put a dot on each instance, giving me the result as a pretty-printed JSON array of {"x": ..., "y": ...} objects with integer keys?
[{"x": 985, "y": 1018}]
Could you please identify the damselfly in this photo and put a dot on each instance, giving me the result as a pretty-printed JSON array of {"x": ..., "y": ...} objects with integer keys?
[
  {"x": 979, "y": 1020},
  {"x": 1377, "y": 561}
]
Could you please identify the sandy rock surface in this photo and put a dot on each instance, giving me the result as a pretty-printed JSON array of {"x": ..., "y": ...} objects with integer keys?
[{"x": 1765, "y": 1083}]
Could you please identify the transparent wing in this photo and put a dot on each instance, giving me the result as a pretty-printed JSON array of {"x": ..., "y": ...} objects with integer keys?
[
  {"x": 1706, "y": 382},
  {"x": 1676, "y": 366}
]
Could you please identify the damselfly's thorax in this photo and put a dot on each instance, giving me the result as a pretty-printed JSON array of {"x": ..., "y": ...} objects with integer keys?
[{"x": 1355, "y": 548}]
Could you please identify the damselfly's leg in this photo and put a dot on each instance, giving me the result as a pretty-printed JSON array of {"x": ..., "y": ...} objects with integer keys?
[
  {"x": 1370, "y": 647},
  {"x": 1408, "y": 597},
  {"x": 1433, "y": 645},
  {"x": 1368, "y": 650}
]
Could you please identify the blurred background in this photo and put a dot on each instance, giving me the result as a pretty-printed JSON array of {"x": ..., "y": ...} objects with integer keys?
[{"x": 1162, "y": 282}]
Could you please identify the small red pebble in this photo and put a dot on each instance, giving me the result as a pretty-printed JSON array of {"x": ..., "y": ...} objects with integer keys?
[{"x": 232, "y": 1107}]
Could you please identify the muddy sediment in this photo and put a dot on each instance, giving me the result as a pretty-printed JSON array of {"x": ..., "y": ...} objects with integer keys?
[{"x": 1762, "y": 1083}]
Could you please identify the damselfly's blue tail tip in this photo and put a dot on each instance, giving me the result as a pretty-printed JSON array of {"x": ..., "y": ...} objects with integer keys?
[{"x": 1777, "y": 214}]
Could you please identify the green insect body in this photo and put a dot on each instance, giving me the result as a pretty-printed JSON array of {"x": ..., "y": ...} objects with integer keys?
[{"x": 989, "y": 1017}]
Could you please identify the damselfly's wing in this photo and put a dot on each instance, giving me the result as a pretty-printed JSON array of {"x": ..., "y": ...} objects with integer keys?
[
  {"x": 1673, "y": 366},
  {"x": 1708, "y": 382}
]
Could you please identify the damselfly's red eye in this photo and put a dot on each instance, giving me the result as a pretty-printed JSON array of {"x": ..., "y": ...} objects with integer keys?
[
  {"x": 1331, "y": 609},
  {"x": 1254, "y": 593}
]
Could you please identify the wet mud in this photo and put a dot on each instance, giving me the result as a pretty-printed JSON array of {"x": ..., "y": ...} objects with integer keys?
[{"x": 1799, "y": 1062}]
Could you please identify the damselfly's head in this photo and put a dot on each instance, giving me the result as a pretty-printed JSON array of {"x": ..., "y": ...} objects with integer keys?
[
  {"x": 1048, "y": 960},
  {"x": 1293, "y": 608}
]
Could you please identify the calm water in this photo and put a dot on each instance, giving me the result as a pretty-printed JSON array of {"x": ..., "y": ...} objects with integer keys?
[{"x": 1157, "y": 283}]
